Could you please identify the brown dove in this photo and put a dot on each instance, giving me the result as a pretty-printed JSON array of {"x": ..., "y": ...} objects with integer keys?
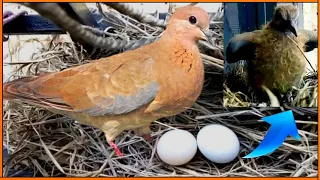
[
  {"x": 274, "y": 55},
  {"x": 130, "y": 90}
]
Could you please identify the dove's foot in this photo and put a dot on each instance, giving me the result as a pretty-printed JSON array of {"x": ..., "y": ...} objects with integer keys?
[
  {"x": 111, "y": 130},
  {"x": 144, "y": 132},
  {"x": 115, "y": 147},
  {"x": 147, "y": 137}
]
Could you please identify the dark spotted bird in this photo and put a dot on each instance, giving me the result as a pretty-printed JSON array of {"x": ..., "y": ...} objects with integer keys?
[{"x": 274, "y": 55}]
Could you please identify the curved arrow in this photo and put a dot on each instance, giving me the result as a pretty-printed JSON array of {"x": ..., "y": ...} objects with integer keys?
[{"x": 282, "y": 125}]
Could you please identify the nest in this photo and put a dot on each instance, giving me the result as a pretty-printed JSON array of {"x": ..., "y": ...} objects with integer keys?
[
  {"x": 40, "y": 143},
  {"x": 238, "y": 94}
]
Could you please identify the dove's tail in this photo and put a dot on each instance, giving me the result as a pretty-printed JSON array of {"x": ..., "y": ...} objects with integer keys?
[{"x": 18, "y": 89}]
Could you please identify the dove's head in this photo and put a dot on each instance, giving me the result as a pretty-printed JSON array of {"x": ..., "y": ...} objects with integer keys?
[
  {"x": 190, "y": 22},
  {"x": 285, "y": 18}
]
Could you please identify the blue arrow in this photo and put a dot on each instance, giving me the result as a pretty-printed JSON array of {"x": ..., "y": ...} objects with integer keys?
[{"x": 282, "y": 125}]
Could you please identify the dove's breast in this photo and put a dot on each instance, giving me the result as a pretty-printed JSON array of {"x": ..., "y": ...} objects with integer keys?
[
  {"x": 181, "y": 76},
  {"x": 279, "y": 63}
]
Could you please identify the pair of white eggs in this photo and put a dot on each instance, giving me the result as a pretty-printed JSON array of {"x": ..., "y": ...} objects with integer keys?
[{"x": 217, "y": 143}]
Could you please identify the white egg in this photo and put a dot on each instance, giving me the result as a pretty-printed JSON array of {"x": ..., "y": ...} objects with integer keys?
[
  {"x": 218, "y": 143},
  {"x": 177, "y": 147}
]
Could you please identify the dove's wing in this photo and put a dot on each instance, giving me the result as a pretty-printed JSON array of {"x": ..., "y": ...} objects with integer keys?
[
  {"x": 104, "y": 87},
  {"x": 242, "y": 47},
  {"x": 309, "y": 39}
]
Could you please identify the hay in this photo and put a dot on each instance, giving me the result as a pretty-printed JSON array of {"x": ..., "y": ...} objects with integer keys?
[
  {"x": 44, "y": 144},
  {"x": 238, "y": 94}
]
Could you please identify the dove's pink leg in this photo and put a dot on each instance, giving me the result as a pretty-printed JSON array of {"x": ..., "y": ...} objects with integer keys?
[
  {"x": 112, "y": 144},
  {"x": 110, "y": 132}
]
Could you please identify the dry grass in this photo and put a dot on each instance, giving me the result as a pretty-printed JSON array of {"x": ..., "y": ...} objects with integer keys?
[
  {"x": 46, "y": 144},
  {"x": 306, "y": 95}
]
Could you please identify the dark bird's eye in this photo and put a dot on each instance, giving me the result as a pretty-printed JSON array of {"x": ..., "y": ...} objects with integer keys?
[{"x": 192, "y": 19}]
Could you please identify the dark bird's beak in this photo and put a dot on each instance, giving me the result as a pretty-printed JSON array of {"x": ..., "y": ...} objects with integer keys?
[
  {"x": 293, "y": 29},
  {"x": 207, "y": 36}
]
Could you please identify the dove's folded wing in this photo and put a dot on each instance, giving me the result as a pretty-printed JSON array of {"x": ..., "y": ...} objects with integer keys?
[{"x": 99, "y": 88}]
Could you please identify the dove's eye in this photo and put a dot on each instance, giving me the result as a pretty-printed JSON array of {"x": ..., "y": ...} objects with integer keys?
[{"x": 192, "y": 20}]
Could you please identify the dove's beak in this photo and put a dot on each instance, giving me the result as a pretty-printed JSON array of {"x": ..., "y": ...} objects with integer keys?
[
  {"x": 207, "y": 36},
  {"x": 293, "y": 29}
]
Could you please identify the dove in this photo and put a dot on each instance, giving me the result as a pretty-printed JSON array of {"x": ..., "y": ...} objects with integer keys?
[
  {"x": 130, "y": 90},
  {"x": 274, "y": 55}
]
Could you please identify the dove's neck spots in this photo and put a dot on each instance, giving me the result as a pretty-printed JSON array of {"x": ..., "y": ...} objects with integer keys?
[
  {"x": 184, "y": 52},
  {"x": 183, "y": 58}
]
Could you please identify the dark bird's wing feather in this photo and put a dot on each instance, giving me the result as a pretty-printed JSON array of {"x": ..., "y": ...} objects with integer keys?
[
  {"x": 242, "y": 47},
  {"x": 309, "y": 38}
]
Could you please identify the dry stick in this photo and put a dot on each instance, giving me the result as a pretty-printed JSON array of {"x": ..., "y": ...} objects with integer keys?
[
  {"x": 99, "y": 32},
  {"x": 249, "y": 168},
  {"x": 42, "y": 171},
  {"x": 144, "y": 24},
  {"x": 47, "y": 150},
  {"x": 29, "y": 62},
  {"x": 208, "y": 63},
  {"x": 132, "y": 44},
  {"x": 299, "y": 122},
  {"x": 127, "y": 9},
  {"x": 74, "y": 49},
  {"x": 101, "y": 168},
  {"x": 166, "y": 125},
  {"x": 212, "y": 59},
  {"x": 153, "y": 153},
  {"x": 136, "y": 27},
  {"x": 302, "y": 53},
  {"x": 304, "y": 166},
  {"x": 108, "y": 160},
  {"x": 108, "y": 19}
]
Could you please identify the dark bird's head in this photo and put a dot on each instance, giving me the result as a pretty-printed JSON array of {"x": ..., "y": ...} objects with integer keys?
[{"x": 285, "y": 18}]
